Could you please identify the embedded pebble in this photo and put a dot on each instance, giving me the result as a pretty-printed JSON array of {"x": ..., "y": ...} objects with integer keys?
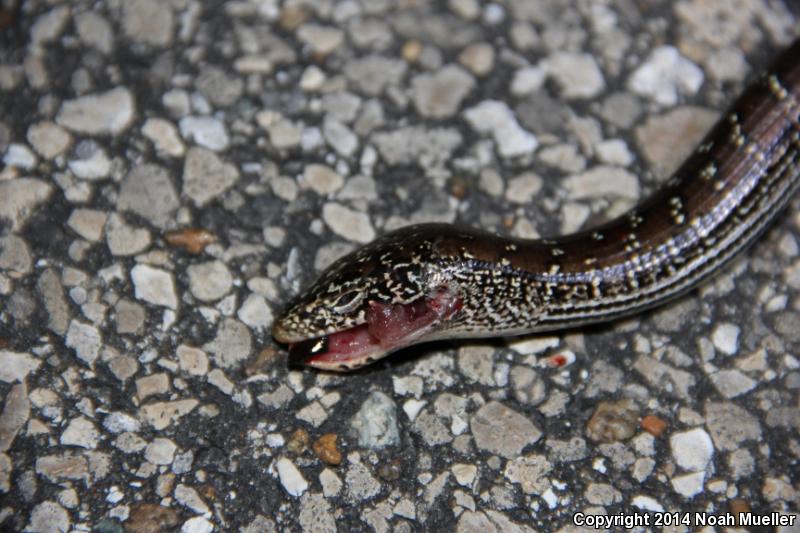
[
  {"x": 255, "y": 312},
  {"x": 80, "y": 432},
  {"x": 20, "y": 198},
  {"x": 15, "y": 257},
  {"x": 527, "y": 80},
  {"x": 726, "y": 338},
  {"x": 322, "y": 179},
  {"x": 148, "y": 22},
  {"x": 154, "y": 286},
  {"x": 732, "y": 383},
  {"x": 20, "y": 156},
  {"x": 206, "y": 176},
  {"x": 496, "y": 118},
  {"x": 665, "y": 75},
  {"x": 478, "y": 58},
  {"x": 192, "y": 360},
  {"x": 48, "y": 139},
  {"x": 165, "y": 136},
  {"x": 207, "y": 132},
  {"x": 209, "y": 281},
  {"x": 521, "y": 189},
  {"x": 578, "y": 75},
  {"x": 88, "y": 223},
  {"x": 602, "y": 181},
  {"x": 231, "y": 345},
  {"x": 49, "y": 517},
  {"x": 160, "y": 451},
  {"x": 439, "y": 95},
  {"x": 501, "y": 430},
  {"x": 349, "y": 224},
  {"x": 96, "y": 114},
  {"x": 322, "y": 39},
  {"x": 148, "y": 191},
  {"x": 375, "y": 423},
  {"x": 16, "y": 412},
  {"x": 692, "y": 450},
  {"x": 123, "y": 239},
  {"x": 161, "y": 415},
  {"x": 95, "y": 31},
  {"x": 91, "y": 163},
  {"x": 85, "y": 339},
  {"x": 197, "y": 524},
  {"x": 292, "y": 480},
  {"x": 15, "y": 366}
]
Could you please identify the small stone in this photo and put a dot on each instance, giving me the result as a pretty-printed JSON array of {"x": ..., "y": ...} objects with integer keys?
[
  {"x": 361, "y": 484},
  {"x": 123, "y": 367},
  {"x": 322, "y": 179},
  {"x": 439, "y": 95},
  {"x": 161, "y": 451},
  {"x": 316, "y": 514},
  {"x": 165, "y": 137},
  {"x": 613, "y": 422},
  {"x": 20, "y": 198},
  {"x": 373, "y": 74},
  {"x": 80, "y": 432},
  {"x": 476, "y": 363},
  {"x": 118, "y": 422},
  {"x": 689, "y": 485},
  {"x": 522, "y": 188},
  {"x": 375, "y": 423},
  {"x": 90, "y": 163},
  {"x": 6, "y": 471},
  {"x": 85, "y": 339},
  {"x": 322, "y": 39},
  {"x": 49, "y": 517},
  {"x": 52, "y": 292},
  {"x": 502, "y": 431},
  {"x": 154, "y": 285},
  {"x": 189, "y": 497},
  {"x": 292, "y": 480},
  {"x": 219, "y": 87},
  {"x": 193, "y": 361},
  {"x": 232, "y": 344},
  {"x": 148, "y": 22},
  {"x": 527, "y": 80},
  {"x": 730, "y": 425},
  {"x": 726, "y": 338},
  {"x": 95, "y": 31},
  {"x": 255, "y": 312},
  {"x": 152, "y": 385},
  {"x": 209, "y": 281},
  {"x": 478, "y": 58},
  {"x": 65, "y": 466},
  {"x": 340, "y": 137},
  {"x": 732, "y": 383},
  {"x": 348, "y": 223},
  {"x": 88, "y": 223},
  {"x": 283, "y": 133},
  {"x": 147, "y": 191},
  {"x": 654, "y": 425},
  {"x": 206, "y": 176},
  {"x": 49, "y": 139},
  {"x": 125, "y": 240},
  {"x": 20, "y": 156},
  {"x": 49, "y": 26},
  {"x": 198, "y": 524},
  {"x": 578, "y": 75},
  {"x": 207, "y": 132},
  {"x": 150, "y": 517},
  {"x": 527, "y": 385},
  {"x": 161, "y": 414},
  {"x": 496, "y": 118},
  {"x": 193, "y": 240},
  {"x": 602, "y": 181},
  {"x": 692, "y": 450},
  {"x": 15, "y": 366},
  {"x": 664, "y": 75},
  {"x": 96, "y": 114},
  {"x": 326, "y": 450},
  {"x": 16, "y": 412}
]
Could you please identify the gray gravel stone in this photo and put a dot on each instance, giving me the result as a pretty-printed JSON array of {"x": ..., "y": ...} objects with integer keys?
[
  {"x": 665, "y": 75},
  {"x": 375, "y": 423},
  {"x": 578, "y": 75},
  {"x": 97, "y": 114},
  {"x": 373, "y": 74},
  {"x": 148, "y": 22},
  {"x": 49, "y": 139},
  {"x": 123, "y": 239},
  {"x": 52, "y": 294},
  {"x": 80, "y": 432},
  {"x": 154, "y": 286},
  {"x": 439, "y": 95},
  {"x": 316, "y": 514},
  {"x": 496, "y": 118},
  {"x": 95, "y": 31},
  {"x": 361, "y": 484},
  {"x": 207, "y": 132},
  {"x": 502, "y": 431},
  {"x": 15, "y": 257},
  {"x": 209, "y": 281},
  {"x": 20, "y": 198},
  {"x": 16, "y": 366},
  {"x": 220, "y": 88},
  {"x": 85, "y": 339},
  {"x": 348, "y": 223},
  {"x": 165, "y": 137},
  {"x": 232, "y": 344},
  {"x": 16, "y": 412},
  {"x": 148, "y": 191},
  {"x": 206, "y": 176},
  {"x": 49, "y": 517},
  {"x": 730, "y": 426}
]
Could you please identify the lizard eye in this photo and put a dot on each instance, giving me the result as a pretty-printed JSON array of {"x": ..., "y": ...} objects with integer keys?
[{"x": 347, "y": 302}]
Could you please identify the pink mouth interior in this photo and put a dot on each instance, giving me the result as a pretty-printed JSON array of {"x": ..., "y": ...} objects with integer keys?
[{"x": 388, "y": 327}]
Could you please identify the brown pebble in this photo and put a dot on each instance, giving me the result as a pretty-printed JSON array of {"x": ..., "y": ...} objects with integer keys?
[
  {"x": 298, "y": 441},
  {"x": 326, "y": 450},
  {"x": 262, "y": 361},
  {"x": 737, "y": 507},
  {"x": 193, "y": 240},
  {"x": 458, "y": 187},
  {"x": 508, "y": 222},
  {"x": 150, "y": 518},
  {"x": 613, "y": 421},
  {"x": 654, "y": 425}
]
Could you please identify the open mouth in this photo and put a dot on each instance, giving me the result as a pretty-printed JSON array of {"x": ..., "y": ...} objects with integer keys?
[{"x": 388, "y": 327}]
